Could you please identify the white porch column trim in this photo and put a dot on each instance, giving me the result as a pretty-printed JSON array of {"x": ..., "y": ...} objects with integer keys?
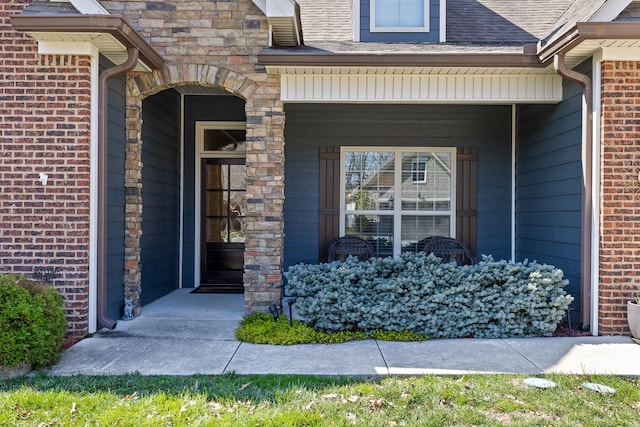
[
  {"x": 596, "y": 78},
  {"x": 514, "y": 130},
  {"x": 372, "y": 85},
  {"x": 443, "y": 21}
]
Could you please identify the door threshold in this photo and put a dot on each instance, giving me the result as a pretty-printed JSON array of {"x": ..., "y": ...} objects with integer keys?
[{"x": 218, "y": 289}]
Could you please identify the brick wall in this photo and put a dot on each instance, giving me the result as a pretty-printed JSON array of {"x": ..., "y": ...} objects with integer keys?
[
  {"x": 44, "y": 128},
  {"x": 620, "y": 193}
]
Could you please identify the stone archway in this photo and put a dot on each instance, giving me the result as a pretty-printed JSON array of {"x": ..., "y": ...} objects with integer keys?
[{"x": 264, "y": 165}]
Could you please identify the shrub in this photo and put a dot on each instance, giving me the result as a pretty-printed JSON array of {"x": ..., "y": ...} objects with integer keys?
[
  {"x": 32, "y": 322},
  {"x": 418, "y": 293}
]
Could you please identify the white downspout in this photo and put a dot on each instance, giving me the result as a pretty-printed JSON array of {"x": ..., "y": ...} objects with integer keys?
[{"x": 595, "y": 229}]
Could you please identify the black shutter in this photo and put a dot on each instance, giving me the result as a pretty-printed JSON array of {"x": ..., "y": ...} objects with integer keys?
[
  {"x": 329, "y": 208},
  {"x": 467, "y": 197}
]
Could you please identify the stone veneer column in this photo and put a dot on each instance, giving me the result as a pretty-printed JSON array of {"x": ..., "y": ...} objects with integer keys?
[
  {"x": 133, "y": 197},
  {"x": 620, "y": 194},
  {"x": 264, "y": 243},
  {"x": 216, "y": 44}
]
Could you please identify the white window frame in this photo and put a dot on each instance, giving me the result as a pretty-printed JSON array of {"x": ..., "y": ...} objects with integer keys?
[
  {"x": 375, "y": 29},
  {"x": 397, "y": 211},
  {"x": 418, "y": 174}
]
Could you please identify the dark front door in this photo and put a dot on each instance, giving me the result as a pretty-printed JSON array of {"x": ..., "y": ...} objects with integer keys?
[{"x": 223, "y": 223}]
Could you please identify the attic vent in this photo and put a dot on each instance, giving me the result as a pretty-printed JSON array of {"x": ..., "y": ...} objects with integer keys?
[{"x": 284, "y": 31}]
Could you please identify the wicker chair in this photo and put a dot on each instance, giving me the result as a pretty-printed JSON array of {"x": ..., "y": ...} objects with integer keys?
[
  {"x": 341, "y": 248},
  {"x": 449, "y": 249}
]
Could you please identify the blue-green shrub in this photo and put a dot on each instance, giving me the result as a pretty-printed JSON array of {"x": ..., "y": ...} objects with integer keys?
[{"x": 418, "y": 293}]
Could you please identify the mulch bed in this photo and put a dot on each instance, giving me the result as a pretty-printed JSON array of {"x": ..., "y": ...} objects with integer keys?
[{"x": 563, "y": 331}]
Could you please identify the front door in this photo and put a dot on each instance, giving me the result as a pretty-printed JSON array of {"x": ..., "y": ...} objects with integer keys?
[{"x": 223, "y": 223}]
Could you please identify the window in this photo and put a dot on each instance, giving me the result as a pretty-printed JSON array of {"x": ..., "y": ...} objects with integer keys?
[
  {"x": 396, "y": 197},
  {"x": 221, "y": 137},
  {"x": 399, "y": 16},
  {"x": 419, "y": 171}
]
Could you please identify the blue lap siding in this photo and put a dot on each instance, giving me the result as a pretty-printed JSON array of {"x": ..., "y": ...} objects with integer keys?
[
  {"x": 549, "y": 182},
  {"x": 308, "y": 127},
  {"x": 160, "y": 194},
  {"x": 116, "y": 196}
]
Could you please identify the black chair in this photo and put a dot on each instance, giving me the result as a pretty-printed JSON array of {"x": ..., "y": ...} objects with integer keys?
[
  {"x": 449, "y": 249},
  {"x": 343, "y": 247}
]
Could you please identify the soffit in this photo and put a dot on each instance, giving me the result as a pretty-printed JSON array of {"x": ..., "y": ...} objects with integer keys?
[
  {"x": 110, "y": 34},
  {"x": 587, "y": 48}
]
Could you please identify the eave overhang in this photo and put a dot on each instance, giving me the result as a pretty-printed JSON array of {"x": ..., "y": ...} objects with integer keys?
[
  {"x": 498, "y": 60},
  {"x": 579, "y": 41},
  {"x": 111, "y": 34},
  {"x": 474, "y": 77}
]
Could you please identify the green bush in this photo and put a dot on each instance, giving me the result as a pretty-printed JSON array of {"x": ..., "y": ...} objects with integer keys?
[
  {"x": 32, "y": 322},
  {"x": 260, "y": 328},
  {"x": 418, "y": 293}
]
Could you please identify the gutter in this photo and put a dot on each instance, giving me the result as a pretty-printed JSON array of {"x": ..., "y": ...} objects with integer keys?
[
  {"x": 583, "y": 31},
  {"x": 587, "y": 181},
  {"x": 114, "y": 25},
  {"x": 313, "y": 58},
  {"x": 105, "y": 76}
]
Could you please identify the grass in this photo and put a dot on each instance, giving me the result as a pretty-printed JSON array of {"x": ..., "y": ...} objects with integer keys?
[
  {"x": 271, "y": 400},
  {"x": 260, "y": 328}
]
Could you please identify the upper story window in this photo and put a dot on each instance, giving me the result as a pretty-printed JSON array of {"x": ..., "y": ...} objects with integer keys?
[{"x": 399, "y": 16}]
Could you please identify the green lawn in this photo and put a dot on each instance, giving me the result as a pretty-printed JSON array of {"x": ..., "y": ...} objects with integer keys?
[{"x": 273, "y": 400}]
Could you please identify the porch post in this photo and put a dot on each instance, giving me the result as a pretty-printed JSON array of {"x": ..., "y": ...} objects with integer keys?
[{"x": 264, "y": 242}]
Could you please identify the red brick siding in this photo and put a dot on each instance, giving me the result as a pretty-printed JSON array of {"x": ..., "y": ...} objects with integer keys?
[
  {"x": 44, "y": 128},
  {"x": 620, "y": 193}
]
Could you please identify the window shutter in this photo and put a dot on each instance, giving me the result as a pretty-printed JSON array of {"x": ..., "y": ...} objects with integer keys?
[
  {"x": 467, "y": 196},
  {"x": 329, "y": 207}
]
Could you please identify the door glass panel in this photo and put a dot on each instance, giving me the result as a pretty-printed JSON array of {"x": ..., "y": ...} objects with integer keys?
[{"x": 224, "y": 224}]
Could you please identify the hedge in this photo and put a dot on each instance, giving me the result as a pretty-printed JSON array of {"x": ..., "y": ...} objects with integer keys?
[{"x": 419, "y": 293}]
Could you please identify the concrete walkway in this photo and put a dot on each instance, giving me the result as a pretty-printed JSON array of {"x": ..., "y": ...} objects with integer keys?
[{"x": 183, "y": 334}]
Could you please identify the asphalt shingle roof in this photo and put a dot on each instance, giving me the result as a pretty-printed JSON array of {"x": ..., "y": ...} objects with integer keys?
[
  {"x": 473, "y": 26},
  {"x": 496, "y": 22},
  {"x": 578, "y": 11},
  {"x": 631, "y": 13},
  {"x": 47, "y": 8}
]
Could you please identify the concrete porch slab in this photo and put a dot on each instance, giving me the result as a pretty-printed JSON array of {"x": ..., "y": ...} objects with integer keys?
[{"x": 205, "y": 329}]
